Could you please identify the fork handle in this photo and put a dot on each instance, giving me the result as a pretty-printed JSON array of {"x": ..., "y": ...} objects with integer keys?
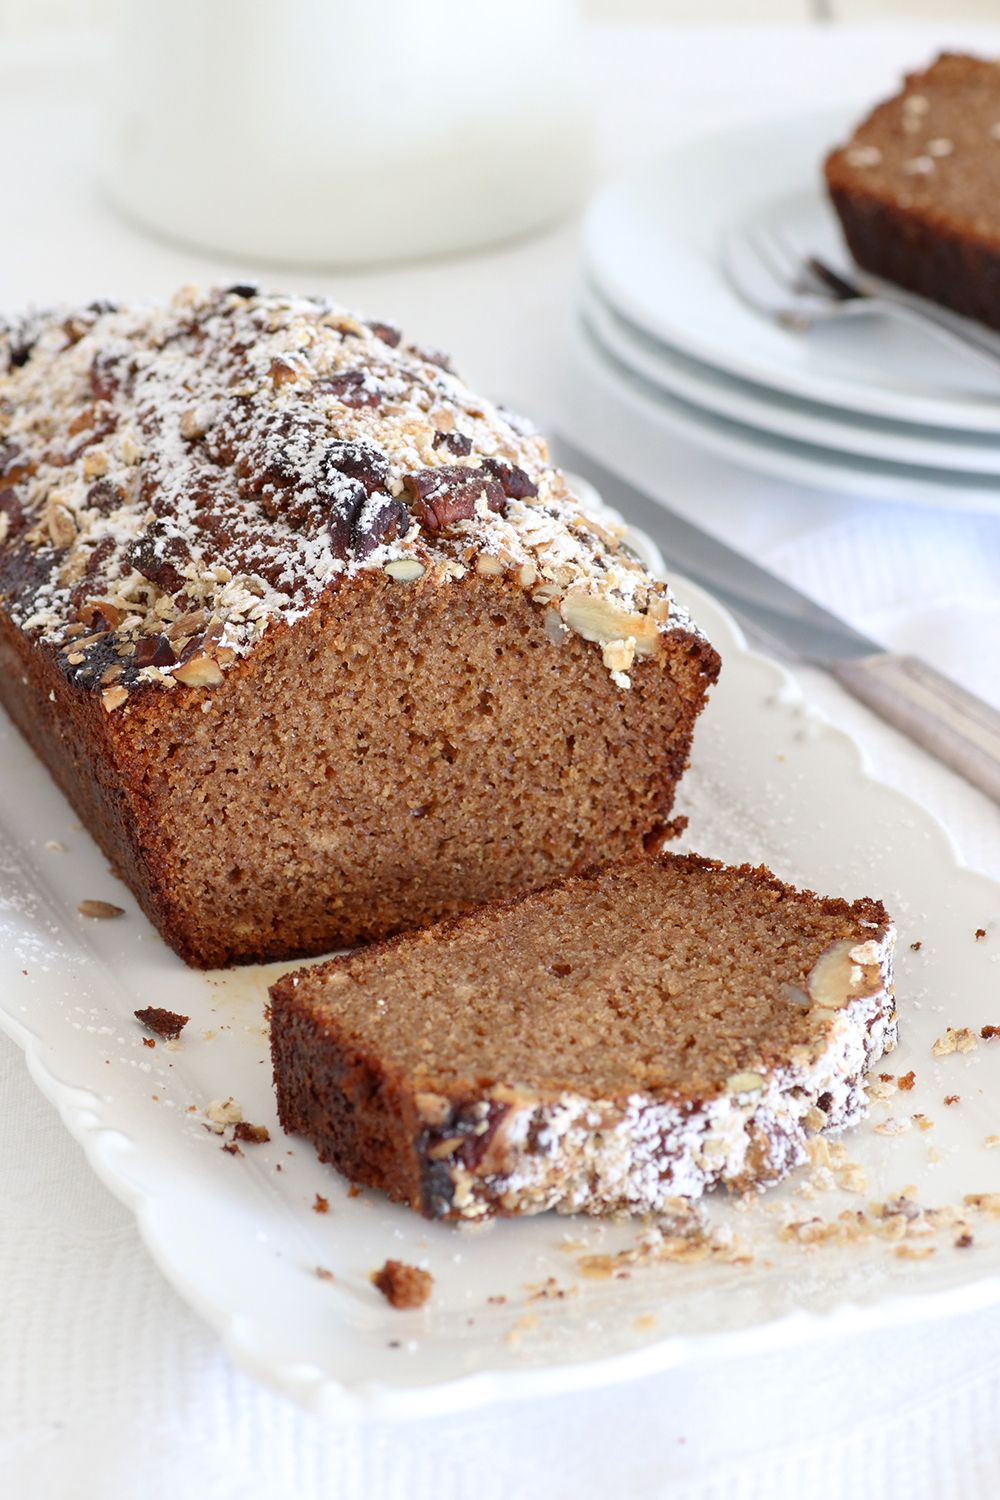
[
  {"x": 963, "y": 341},
  {"x": 957, "y": 728}
]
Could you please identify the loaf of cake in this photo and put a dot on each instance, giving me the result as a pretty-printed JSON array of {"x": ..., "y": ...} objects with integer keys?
[
  {"x": 619, "y": 1039},
  {"x": 917, "y": 187},
  {"x": 317, "y": 642}
]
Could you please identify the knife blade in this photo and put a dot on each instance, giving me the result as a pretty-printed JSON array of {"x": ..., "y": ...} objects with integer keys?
[{"x": 959, "y": 729}]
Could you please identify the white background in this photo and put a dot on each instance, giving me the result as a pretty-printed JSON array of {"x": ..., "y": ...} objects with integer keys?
[{"x": 109, "y": 1386}]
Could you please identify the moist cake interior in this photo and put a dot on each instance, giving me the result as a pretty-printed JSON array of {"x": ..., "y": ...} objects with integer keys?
[{"x": 667, "y": 985}]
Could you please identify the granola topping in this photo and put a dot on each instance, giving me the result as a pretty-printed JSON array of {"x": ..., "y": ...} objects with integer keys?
[{"x": 176, "y": 479}]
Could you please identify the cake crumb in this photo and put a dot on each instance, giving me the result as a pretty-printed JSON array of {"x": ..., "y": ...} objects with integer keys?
[
  {"x": 324, "y": 1274},
  {"x": 166, "y": 1023},
  {"x": 952, "y": 1098},
  {"x": 991, "y": 1141},
  {"x": 321, "y": 1205},
  {"x": 255, "y": 1135},
  {"x": 954, "y": 1040},
  {"x": 964, "y": 1241},
  {"x": 906, "y": 1080},
  {"x": 220, "y": 1113},
  {"x": 988, "y": 1033},
  {"x": 232, "y": 1148},
  {"x": 916, "y": 947},
  {"x": 402, "y": 1285},
  {"x": 980, "y": 933}
]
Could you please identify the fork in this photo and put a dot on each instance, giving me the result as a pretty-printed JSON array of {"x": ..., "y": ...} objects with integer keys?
[{"x": 799, "y": 291}]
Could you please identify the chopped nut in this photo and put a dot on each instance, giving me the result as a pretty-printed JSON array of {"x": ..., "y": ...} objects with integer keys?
[
  {"x": 619, "y": 655},
  {"x": 102, "y": 910},
  {"x": 837, "y": 977},
  {"x": 745, "y": 1083},
  {"x": 907, "y": 1080},
  {"x": 597, "y": 617},
  {"x": 404, "y": 569},
  {"x": 61, "y": 524},
  {"x": 200, "y": 671},
  {"x": 113, "y": 697}
]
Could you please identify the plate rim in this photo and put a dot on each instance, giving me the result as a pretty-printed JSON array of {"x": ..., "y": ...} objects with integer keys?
[
  {"x": 767, "y": 453},
  {"x": 666, "y": 368}
]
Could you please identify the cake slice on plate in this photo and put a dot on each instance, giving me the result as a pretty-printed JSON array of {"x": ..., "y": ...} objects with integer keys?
[
  {"x": 619, "y": 1039},
  {"x": 917, "y": 186}
]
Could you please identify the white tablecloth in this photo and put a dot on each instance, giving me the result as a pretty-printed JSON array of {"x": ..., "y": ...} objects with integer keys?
[{"x": 110, "y": 1387}]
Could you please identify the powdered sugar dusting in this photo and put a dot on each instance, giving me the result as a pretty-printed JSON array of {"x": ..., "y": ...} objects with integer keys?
[{"x": 174, "y": 479}]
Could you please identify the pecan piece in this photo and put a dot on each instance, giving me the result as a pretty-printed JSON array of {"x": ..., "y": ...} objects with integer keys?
[
  {"x": 382, "y": 518},
  {"x": 12, "y": 467},
  {"x": 359, "y": 461},
  {"x": 354, "y": 388},
  {"x": 515, "y": 482},
  {"x": 440, "y": 497},
  {"x": 458, "y": 443},
  {"x": 155, "y": 555},
  {"x": 153, "y": 651},
  {"x": 104, "y": 378},
  {"x": 387, "y": 332}
]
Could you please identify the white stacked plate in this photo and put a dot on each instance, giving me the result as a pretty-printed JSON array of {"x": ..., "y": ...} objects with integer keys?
[{"x": 866, "y": 406}]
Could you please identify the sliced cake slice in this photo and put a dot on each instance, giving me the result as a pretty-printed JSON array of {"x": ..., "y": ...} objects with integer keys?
[
  {"x": 917, "y": 186},
  {"x": 618, "y": 1039}
]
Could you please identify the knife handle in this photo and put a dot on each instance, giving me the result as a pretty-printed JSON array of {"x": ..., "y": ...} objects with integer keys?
[{"x": 954, "y": 725}]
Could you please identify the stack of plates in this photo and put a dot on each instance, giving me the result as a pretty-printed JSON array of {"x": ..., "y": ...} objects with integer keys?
[{"x": 869, "y": 406}]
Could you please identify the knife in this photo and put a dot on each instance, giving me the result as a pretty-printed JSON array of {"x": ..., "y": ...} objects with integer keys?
[{"x": 959, "y": 729}]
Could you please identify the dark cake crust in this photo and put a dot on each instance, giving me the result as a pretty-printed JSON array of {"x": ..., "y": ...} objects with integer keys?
[{"x": 915, "y": 188}]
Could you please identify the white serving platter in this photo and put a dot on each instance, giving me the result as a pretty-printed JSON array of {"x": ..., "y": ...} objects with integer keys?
[
  {"x": 241, "y": 1241},
  {"x": 653, "y": 246}
]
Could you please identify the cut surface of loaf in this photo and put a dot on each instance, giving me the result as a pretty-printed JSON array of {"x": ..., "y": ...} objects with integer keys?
[
  {"x": 917, "y": 187},
  {"x": 317, "y": 641},
  {"x": 620, "y": 1039}
]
